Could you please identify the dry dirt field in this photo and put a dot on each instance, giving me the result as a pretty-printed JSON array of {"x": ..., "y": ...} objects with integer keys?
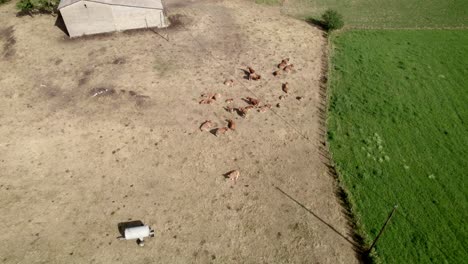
[{"x": 73, "y": 165}]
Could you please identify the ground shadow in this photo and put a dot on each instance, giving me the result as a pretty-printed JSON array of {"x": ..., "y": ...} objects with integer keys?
[
  {"x": 326, "y": 158},
  {"x": 246, "y": 74},
  {"x": 354, "y": 241},
  {"x": 214, "y": 131},
  {"x": 61, "y": 24},
  {"x": 318, "y": 217},
  {"x": 31, "y": 13},
  {"x": 317, "y": 23},
  {"x": 113, "y": 34}
]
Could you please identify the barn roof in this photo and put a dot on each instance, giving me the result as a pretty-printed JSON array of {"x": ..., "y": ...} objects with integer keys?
[{"x": 153, "y": 4}]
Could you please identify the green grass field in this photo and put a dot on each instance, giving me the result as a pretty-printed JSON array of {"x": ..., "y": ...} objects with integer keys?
[
  {"x": 398, "y": 131},
  {"x": 386, "y": 13}
]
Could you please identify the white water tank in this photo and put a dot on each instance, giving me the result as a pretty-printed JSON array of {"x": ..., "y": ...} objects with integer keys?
[{"x": 138, "y": 232}]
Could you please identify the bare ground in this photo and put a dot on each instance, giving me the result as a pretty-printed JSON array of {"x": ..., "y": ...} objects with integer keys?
[{"x": 73, "y": 166}]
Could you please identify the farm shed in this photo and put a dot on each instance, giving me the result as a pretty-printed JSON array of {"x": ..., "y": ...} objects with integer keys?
[{"x": 87, "y": 17}]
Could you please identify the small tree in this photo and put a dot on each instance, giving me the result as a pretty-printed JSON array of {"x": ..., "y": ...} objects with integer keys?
[
  {"x": 31, "y": 6},
  {"x": 25, "y": 6},
  {"x": 332, "y": 20}
]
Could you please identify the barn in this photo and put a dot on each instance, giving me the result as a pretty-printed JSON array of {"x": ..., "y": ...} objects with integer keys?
[{"x": 87, "y": 17}]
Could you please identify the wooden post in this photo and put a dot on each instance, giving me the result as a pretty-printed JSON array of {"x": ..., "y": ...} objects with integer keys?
[{"x": 382, "y": 230}]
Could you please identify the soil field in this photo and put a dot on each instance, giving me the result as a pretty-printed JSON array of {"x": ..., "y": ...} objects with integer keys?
[
  {"x": 105, "y": 129},
  {"x": 398, "y": 133}
]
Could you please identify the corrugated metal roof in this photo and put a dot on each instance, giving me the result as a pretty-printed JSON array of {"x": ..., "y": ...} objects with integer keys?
[{"x": 154, "y": 4}]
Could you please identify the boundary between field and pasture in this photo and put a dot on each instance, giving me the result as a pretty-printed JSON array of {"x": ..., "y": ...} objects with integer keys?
[
  {"x": 365, "y": 251},
  {"x": 344, "y": 197}
]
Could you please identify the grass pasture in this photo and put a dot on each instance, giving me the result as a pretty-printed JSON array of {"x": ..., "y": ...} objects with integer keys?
[
  {"x": 399, "y": 135},
  {"x": 386, "y": 14}
]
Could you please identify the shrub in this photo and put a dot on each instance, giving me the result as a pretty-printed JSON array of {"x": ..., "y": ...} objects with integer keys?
[
  {"x": 24, "y": 5},
  {"x": 4, "y": 1},
  {"x": 332, "y": 20},
  {"x": 31, "y": 6}
]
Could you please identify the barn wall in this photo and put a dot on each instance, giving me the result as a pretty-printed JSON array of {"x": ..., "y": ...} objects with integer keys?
[
  {"x": 92, "y": 19},
  {"x": 131, "y": 18},
  {"x": 99, "y": 18}
]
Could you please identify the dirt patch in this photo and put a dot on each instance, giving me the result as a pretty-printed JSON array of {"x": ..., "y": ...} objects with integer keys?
[
  {"x": 165, "y": 66},
  {"x": 113, "y": 135},
  {"x": 122, "y": 96},
  {"x": 177, "y": 21},
  {"x": 101, "y": 92},
  {"x": 120, "y": 60},
  {"x": 9, "y": 40},
  {"x": 140, "y": 100},
  {"x": 97, "y": 52},
  {"x": 84, "y": 38},
  {"x": 51, "y": 92},
  {"x": 85, "y": 77}
]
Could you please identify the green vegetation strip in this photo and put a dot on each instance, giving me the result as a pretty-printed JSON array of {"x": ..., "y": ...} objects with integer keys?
[
  {"x": 386, "y": 13},
  {"x": 398, "y": 132},
  {"x": 268, "y": 2}
]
